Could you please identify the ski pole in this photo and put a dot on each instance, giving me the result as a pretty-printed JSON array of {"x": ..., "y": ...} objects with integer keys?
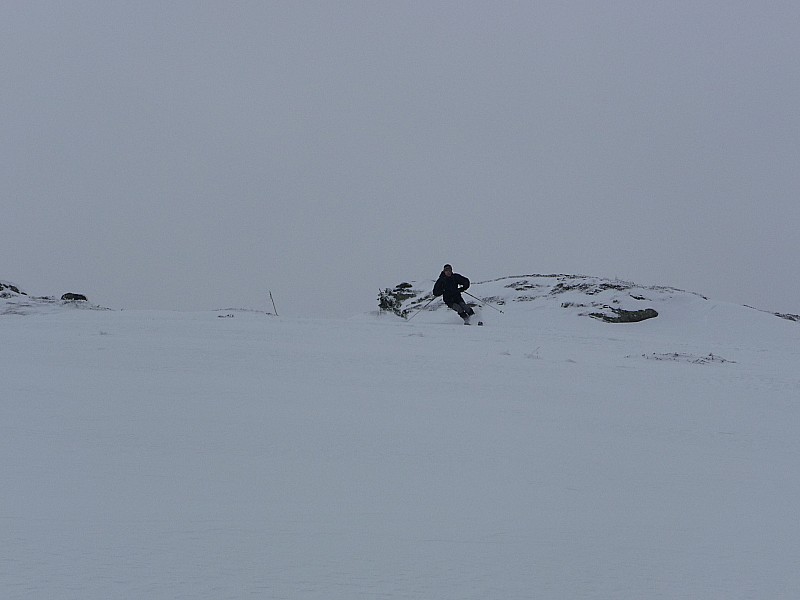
[
  {"x": 421, "y": 308},
  {"x": 484, "y": 301}
]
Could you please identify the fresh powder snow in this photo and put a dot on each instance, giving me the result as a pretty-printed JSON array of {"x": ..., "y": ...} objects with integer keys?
[{"x": 548, "y": 454}]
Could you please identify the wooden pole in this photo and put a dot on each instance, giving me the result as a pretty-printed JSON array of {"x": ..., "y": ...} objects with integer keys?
[{"x": 273, "y": 303}]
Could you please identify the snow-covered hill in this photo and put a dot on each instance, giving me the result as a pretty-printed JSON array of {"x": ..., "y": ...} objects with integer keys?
[
  {"x": 164, "y": 455},
  {"x": 608, "y": 300},
  {"x": 16, "y": 301}
]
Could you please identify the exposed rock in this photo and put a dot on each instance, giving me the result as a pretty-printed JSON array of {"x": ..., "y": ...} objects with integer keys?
[
  {"x": 788, "y": 317},
  {"x": 686, "y": 358},
  {"x": 74, "y": 297},
  {"x": 391, "y": 300},
  {"x": 626, "y": 316},
  {"x": 6, "y": 289}
]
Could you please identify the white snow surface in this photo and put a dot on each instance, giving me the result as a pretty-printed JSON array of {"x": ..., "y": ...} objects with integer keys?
[{"x": 232, "y": 454}]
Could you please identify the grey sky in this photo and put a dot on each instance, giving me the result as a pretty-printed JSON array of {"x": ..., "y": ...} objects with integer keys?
[{"x": 194, "y": 155}]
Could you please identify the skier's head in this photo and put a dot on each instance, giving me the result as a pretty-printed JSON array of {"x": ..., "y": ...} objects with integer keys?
[{"x": 447, "y": 270}]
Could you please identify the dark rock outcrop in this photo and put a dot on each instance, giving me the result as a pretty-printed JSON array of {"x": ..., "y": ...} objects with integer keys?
[
  {"x": 626, "y": 316},
  {"x": 788, "y": 317},
  {"x": 391, "y": 300},
  {"x": 74, "y": 297},
  {"x": 9, "y": 287}
]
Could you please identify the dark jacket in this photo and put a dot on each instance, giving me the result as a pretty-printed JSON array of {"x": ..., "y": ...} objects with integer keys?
[{"x": 450, "y": 287}]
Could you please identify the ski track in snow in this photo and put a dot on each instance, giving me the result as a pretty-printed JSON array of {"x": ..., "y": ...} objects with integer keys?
[{"x": 180, "y": 455}]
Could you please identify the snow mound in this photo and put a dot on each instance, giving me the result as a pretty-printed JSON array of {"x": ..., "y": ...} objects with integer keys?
[
  {"x": 15, "y": 301},
  {"x": 612, "y": 301}
]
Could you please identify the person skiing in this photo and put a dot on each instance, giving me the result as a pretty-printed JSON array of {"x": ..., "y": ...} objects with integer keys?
[{"x": 449, "y": 286}]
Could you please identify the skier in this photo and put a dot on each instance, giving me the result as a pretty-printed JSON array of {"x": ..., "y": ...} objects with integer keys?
[{"x": 449, "y": 286}]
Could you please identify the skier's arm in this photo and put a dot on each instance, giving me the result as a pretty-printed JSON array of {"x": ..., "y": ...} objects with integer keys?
[
  {"x": 464, "y": 283},
  {"x": 438, "y": 288}
]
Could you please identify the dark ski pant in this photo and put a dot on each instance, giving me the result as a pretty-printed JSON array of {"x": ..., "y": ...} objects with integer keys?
[{"x": 462, "y": 308}]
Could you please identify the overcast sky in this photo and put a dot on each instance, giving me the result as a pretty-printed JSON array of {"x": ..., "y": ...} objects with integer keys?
[{"x": 195, "y": 155}]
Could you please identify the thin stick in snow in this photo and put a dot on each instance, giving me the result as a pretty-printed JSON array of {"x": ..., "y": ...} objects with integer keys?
[{"x": 275, "y": 310}]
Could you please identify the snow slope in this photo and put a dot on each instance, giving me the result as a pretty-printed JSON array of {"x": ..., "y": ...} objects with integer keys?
[{"x": 546, "y": 455}]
